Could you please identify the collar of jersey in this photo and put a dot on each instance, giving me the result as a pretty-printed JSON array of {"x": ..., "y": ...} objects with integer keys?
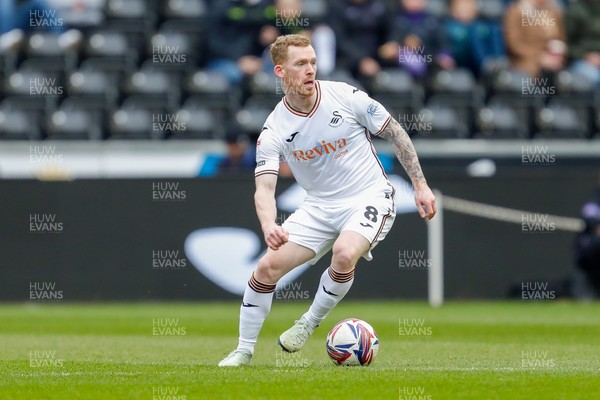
[{"x": 312, "y": 110}]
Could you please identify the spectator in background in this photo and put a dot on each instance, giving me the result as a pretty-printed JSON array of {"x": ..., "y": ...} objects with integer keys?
[
  {"x": 417, "y": 40},
  {"x": 472, "y": 39},
  {"x": 239, "y": 32},
  {"x": 587, "y": 244},
  {"x": 583, "y": 36},
  {"x": 535, "y": 37},
  {"x": 288, "y": 20},
  {"x": 241, "y": 153},
  {"x": 360, "y": 26}
]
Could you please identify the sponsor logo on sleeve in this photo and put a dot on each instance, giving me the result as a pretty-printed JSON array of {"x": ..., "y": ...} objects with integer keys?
[{"x": 372, "y": 109}]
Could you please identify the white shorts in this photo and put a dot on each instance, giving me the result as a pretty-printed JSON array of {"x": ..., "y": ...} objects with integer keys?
[{"x": 316, "y": 225}]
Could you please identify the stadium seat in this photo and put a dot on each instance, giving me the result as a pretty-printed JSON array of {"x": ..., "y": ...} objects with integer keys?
[
  {"x": 396, "y": 81},
  {"x": 501, "y": 121},
  {"x": 47, "y": 48},
  {"x": 18, "y": 124},
  {"x": 152, "y": 87},
  {"x": 211, "y": 90},
  {"x": 113, "y": 46},
  {"x": 251, "y": 118},
  {"x": 11, "y": 44},
  {"x": 107, "y": 44},
  {"x": 492, "y": 66},
  {"x": 126, "y": 9},
  {"x": 439, "y": 121},
  {"x": 509, "y": 81},
  {"x": 456, "y": 81},
  {"x": 184, "y": 8},
  {"x": 172, "y": 50},
  {"x": 133, "y": 124},
  {"x": 44, "y": 66},
  {"x": 266, "y": 88},
  {"x": 89, "y": 82},
  {"x": 92, "y": 15},
  {"x": 200, "y": 123},
  {"x": 396, "y": 89},
  {"x": 74, "y": 124},
  {"x": 561, "y": 120},
  {"x": 456, "y": 89},
  {"x": 577, "y": 88},
  {"x": 33, "y": 90},
  {"x": 96, "y": 89}
]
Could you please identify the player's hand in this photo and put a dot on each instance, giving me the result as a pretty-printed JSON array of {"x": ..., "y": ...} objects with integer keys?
[
  {"x": 425, "y": 200},
  {"x": 275, "y": 236}
]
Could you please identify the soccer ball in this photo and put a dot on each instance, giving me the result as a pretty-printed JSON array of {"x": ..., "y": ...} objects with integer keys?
[{"x": 352, "y": 342}]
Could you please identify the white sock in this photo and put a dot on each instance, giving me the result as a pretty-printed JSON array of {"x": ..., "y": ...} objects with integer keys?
[
  {"x": 332, "y": 288},
  {"x": 255, "y": 307}
]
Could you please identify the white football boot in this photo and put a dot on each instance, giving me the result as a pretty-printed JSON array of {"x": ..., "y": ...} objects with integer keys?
[
  {"x": 237, "y": 358},
  {"x": 294, "y": 338}
]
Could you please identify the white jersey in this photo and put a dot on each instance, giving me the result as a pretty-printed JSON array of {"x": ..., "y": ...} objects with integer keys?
[{"x": 328, "y": 149}]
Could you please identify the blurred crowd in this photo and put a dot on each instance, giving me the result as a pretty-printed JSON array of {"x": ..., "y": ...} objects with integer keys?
[
  {"x": 364, "y": 36},
  {"x": 118, "y": 66}
]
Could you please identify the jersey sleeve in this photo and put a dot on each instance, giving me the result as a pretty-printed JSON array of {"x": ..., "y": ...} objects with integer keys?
[
  {"x": 369, "y": 113},
  {"x": 268, "y": 152}
]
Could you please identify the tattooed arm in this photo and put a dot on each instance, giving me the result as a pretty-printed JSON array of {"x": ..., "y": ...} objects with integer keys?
[{"x": 407, "y": 155}]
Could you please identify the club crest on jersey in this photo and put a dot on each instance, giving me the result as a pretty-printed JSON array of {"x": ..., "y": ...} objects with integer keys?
[
  {"x": 319, "y": 151},
  {"x": 372, "y": 109},
  {"x": 337, "y": 119}
]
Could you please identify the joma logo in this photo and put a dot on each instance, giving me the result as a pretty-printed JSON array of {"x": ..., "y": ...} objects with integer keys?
[{"x": 318, "y": 151}]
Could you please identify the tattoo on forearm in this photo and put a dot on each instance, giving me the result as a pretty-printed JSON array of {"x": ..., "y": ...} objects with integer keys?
[{"x": 404, "y": 149}]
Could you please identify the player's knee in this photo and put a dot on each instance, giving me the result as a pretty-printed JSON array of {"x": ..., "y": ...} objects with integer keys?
[
  {"x": 343, "y": 259},
  {"x": 266, "y": 272}
]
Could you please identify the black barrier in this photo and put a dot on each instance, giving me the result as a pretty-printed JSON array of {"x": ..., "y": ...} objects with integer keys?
[{"x": 126, "y": 240}]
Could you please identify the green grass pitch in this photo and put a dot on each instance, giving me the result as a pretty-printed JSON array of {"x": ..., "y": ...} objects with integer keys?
[{"x": 475, "y": 350}]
